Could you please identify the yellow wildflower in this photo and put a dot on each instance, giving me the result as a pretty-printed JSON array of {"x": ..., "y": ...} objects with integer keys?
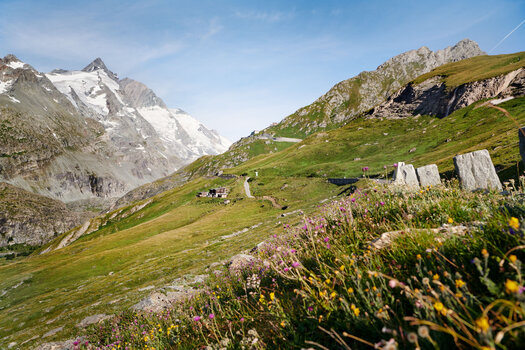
[
  {"x": 356, "y": 311},
  {"x": 484, "y": 253},
  {"x": 482, "y": 324},
  {"x": 513, "y": 258},
  {"x": 514, "y": 223},
  {"x": 450, "y": 220},
  {"x": 418, "y": 257},
  {"x": 283, "y": 324},
  {"x": 342, "y": 267},
  {"x": 511, "y": 286},
  {"x": 459, "y": 283},
  {"x": 435, "y": 277},
  {"x": 272, "y": 296},
  {"x": 438, "y": 306},
  {"x": 350, "y": 290}
]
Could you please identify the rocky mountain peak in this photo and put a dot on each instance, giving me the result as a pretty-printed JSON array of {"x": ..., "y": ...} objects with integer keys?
[
  {"x": 139, "y": 95},
  {"x": 464, "y": 49},
  {"x": 99, "y": 64}
]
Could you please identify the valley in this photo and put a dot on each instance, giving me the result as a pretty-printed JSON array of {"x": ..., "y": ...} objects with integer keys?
[{"x": 306, "y": 240}]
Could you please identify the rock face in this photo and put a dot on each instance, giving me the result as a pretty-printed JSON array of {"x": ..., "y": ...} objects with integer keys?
[
  {"x": 428, "y": 175},
  {"x": 79, "y": 135},
  {"x": 28, "y": 218},
  {"x": 356, "y": 95},
  {"x": 405, "y": 174},
  {"x": 476, "y": 171},
  {"x": 432, "y": 97}
]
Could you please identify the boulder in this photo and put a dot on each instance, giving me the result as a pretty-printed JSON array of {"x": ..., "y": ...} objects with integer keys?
[
  {"x": 405, "y": 174},
  {"x": 476, "y": 171},
  {"x": 240, "y": 262},
  {"x": 428, "y": 175}
]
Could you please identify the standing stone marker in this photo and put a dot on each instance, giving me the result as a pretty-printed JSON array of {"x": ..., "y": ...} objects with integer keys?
[
  {"x": 405, "y": 174},
  {"x": 476, "y": 171},
  {"x": 428, "y": 175}
]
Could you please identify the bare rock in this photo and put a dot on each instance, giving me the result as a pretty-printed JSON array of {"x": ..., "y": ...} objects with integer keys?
[
  {"x": 240, "y": 262},
  {"x": 52, "y": 332},
  {"x": 476, "y": 171},
  {"x": 92, "y": 320},
  {"x": 428, "y": 175}
]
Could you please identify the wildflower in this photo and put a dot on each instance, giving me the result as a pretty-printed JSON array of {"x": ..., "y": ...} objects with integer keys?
[
  {"x": 482, "y": 324},
  {"x": 395, "y": 165},
  {"x": 418, "y": 257},
  {"x": 272, "y": 296},
  {"x": 514, "y": 223},
  {"x": 342, "y": 267},
  {"x": 513, "y": 258},
  {"x": 365, "y": 169},
  {"x": 484, "y": 253},
  {"x": 511, "y": 286},
  {"x": 423, "y": 331},
  {"x": 333, "y": 294},
  {"x": 356, "y": 311},
  {"x": 382, "y": 203},
  {"x": 438, "y": 306},
  {"x": 211, "y": 316},
  {"x": 196, "y": 318},
  {"x": 283, "y": 324},
  {"x": 450, "y": 220},
  {"x": 242, "y": 319},
  {"x": 435, "y": 277},
  {"x": 392, "y": 283},
  {"x": 350, "y": 290},
  {"x": 459, "y": 283},
  {"x": 412, "y": 337}
]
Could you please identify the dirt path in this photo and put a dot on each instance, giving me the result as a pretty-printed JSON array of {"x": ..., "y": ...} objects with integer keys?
[{"x": 247, "y": 188}]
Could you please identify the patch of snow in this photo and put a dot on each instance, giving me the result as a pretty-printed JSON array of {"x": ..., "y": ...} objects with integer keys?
[
  {"x": 14, "y": 99},
  {"x": 204, "y": 138},
  {"x": 5, "y": 85},
  {"x": 16, "y": 64},
  {"x": 501, "y": 100}
]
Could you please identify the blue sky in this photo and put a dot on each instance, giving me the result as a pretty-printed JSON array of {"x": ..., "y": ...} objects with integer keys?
[{"x": 240, "y": 65}]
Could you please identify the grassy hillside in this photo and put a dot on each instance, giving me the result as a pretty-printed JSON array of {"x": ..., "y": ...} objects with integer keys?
[
  {"x": 475, "y": 69},
  {"x": 378, "y": 143},
  {"x": 176, "y": 234},
  {"x": 450, "y": 276}
]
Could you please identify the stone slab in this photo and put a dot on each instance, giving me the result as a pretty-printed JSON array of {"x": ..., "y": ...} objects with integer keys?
[
  {"x": 428, "y": 175},
  {"x": 476, "y": 171}
]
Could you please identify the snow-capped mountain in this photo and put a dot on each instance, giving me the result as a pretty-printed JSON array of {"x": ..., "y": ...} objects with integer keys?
[
  {"x": 81, "y": 134},
  {"x": 116, "y": 102}
]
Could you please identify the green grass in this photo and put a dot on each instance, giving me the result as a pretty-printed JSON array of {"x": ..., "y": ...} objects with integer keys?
[
  {"x": 475, "y": 69},
  {"x": 436, "y": 141},
  {"x": 321, "y": 284},
  {"x": 174, "y": 235}
]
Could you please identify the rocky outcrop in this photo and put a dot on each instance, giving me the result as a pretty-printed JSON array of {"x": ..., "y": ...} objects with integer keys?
[
  {"x": 433, "y": 97},
  {"x": 356, "y": 95},
  {"x": 31, "y": 219}
]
